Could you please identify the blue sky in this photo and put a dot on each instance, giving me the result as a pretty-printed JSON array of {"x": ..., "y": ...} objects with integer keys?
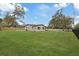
[{"x": 41, "y": 13}]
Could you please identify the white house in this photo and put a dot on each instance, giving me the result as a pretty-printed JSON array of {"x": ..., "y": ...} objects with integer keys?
[{"x": 34, "y": 27}]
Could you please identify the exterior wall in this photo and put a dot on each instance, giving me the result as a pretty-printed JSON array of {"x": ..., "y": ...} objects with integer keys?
[
  {"x": 35, "y": 28},
  {"x": 40, "y": 28},
  {"x": 29, "y": 28}
]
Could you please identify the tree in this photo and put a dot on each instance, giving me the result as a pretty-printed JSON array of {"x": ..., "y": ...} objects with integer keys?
[
  {"x": 66, "y": 22},
  {"x": 55, "y": 20},
  {"x": 0, "y": 24},
  {"x": 60, "y": 21},
  {"x": 10, "y": 18}
]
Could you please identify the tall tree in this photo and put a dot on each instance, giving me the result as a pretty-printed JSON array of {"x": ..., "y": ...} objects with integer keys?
[
  {"x": 60, "y": 21},
  {"x": 10, "y": 18},
  {"x": 0, "y": 24},
  {"x": 54, "y": 22}
]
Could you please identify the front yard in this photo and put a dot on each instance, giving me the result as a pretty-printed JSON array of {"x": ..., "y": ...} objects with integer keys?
[{"x": 14, "y": 43}]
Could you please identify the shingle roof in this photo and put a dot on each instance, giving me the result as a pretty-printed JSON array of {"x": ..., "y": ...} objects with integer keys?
[{"x": 34, "y": 25}]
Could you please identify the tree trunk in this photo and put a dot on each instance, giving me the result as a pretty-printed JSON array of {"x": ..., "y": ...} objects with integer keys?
[{"x": 0, "y": 28}]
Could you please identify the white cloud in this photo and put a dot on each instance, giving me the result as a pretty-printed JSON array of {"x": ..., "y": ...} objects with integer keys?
[
  {"x": 76, "y": 19},
  {"x": 43, "y": 10},
  {"x": 10, "y": 7},
  {"x": 26, "y": 9},
  {"x": 56, "y": 5},
  {"x": 19, "y": 5},
  {"x": 76, "y": 6},
  {"x": 7, "y": 7},
  {"x": 43, "y": 7},
  {"x": 20, "y": 23},
  {"x": 43, "y": 15},
  {"x": 34, "y": 22},
  {"x": 61, "y": 5}
]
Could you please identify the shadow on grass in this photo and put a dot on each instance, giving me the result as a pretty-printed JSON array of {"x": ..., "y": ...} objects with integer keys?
[{"x": 76, "y": 32}]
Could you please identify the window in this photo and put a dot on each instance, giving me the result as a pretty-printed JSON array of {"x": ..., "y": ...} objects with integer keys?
[
  {"x": 43, "y": 28},
  {"x": 39, "y": 28}
]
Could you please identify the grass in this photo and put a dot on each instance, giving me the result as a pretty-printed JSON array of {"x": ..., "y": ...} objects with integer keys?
[{"x": 16, "y": 43}]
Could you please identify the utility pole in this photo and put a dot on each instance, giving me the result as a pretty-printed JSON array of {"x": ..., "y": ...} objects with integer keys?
[{"x": 74, "y": 13}]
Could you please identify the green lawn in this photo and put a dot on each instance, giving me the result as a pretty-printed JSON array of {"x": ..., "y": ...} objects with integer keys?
[{"x": 14, "y": 43}]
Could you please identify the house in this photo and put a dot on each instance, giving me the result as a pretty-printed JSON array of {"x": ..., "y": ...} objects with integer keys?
[{"x": 34, "y": 27}]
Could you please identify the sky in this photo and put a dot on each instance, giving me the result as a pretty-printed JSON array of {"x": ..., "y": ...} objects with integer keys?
[{"x": 41, "y": 13}]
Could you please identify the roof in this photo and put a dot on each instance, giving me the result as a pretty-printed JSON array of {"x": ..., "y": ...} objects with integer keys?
[{"x": 34, "y": 25}]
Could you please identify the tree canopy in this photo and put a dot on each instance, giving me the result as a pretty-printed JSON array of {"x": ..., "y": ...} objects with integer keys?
[
  {"x": 60, "y": 21},
  {"x": 10, "y": 18}
]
